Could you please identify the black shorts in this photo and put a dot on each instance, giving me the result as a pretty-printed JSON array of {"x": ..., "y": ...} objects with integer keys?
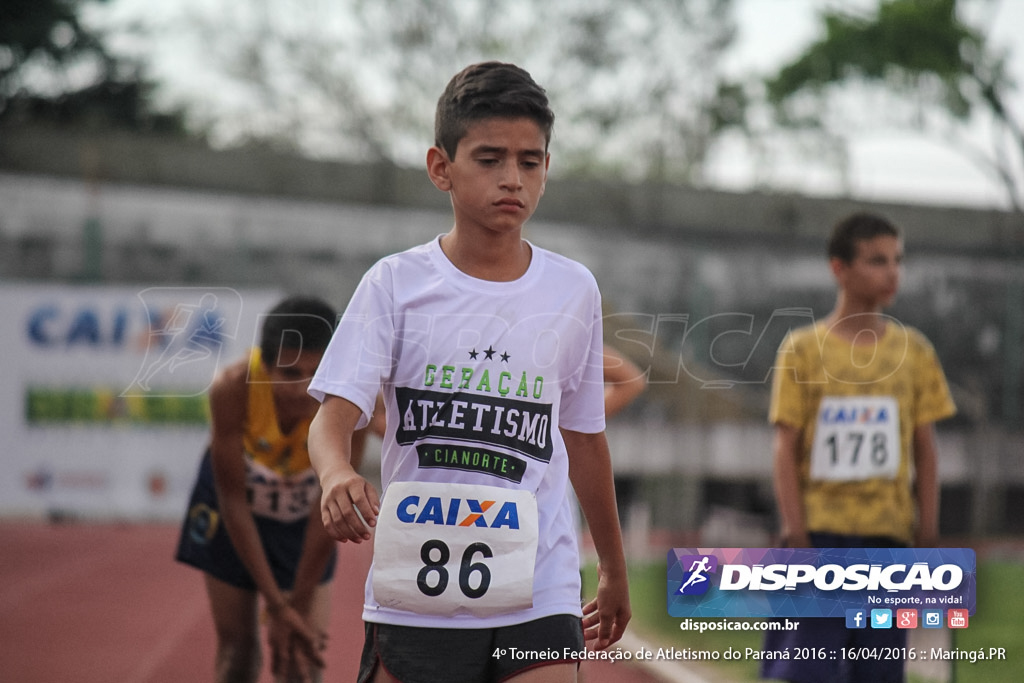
[
  {"x": 459, "y": 655},
  {"x": 831, "y": 634},
  {"x": 204, "y": 542}
]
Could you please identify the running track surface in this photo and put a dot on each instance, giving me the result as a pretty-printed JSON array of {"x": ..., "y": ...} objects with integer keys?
[{"x": 106, "y": 603}]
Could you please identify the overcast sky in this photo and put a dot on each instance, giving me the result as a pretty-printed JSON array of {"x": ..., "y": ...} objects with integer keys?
[{"x": 886, "y": 165}]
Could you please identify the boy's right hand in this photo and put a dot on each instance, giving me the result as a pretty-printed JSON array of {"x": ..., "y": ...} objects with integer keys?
[
  {"x": 605, "y": 617},
  {"x": 349, "y": 505}
]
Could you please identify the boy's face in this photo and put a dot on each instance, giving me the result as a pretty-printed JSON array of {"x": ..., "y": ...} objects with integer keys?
[
  {"x": 290, "y": 376},
  {"x": 498, "y": 175},
  {"x": 872, "y": 278}
]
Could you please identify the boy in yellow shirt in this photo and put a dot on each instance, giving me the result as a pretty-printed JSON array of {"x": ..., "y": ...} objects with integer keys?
[
  {"x": 253, "y": 526},
  {"x": 854, "y": 401}
]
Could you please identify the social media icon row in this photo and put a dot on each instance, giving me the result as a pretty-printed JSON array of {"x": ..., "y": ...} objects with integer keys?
[{"x": 905, "y": 618}]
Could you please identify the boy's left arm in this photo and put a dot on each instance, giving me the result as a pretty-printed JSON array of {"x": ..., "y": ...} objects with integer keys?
[
  {"x": 316, "y": 551},
  {"x": 926, "y": 485},
  {"x": 590, "y": 471}
]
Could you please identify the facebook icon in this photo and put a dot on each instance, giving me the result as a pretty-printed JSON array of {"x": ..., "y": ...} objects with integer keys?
[{"x": 856, "y": 618}]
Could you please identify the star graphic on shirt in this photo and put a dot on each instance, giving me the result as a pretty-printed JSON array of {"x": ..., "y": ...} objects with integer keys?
[
  {"x": 504, "y": 357},
  {"x": 473, "y": 354},
  {"x": 489, "y": 353}
]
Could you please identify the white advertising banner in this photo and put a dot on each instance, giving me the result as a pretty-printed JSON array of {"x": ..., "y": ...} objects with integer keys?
[{"x": 103, "y": 401}]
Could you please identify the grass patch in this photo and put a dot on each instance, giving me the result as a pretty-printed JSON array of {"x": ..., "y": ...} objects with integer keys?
[
  {"x": 647, "y": 598},
  {"x": 652, "y": 622},
  {"x": 997, "y": 623}
]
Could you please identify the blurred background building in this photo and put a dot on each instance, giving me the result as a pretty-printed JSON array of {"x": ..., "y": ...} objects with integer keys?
[{"x": 109, "y": 242}]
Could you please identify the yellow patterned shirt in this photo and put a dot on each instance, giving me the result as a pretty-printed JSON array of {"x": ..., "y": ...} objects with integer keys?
[
  {"x": 857, "y": 406},
  {"x": 281, "y": 482}
]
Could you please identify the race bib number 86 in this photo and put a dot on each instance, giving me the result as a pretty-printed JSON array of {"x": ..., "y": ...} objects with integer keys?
[
  {"x": 856, "y": 438},
  {"x": 446, "y": 549}
]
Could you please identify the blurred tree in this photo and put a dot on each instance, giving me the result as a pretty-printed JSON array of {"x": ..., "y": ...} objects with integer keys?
[
  {"x": 637, "y": 87},
  {"x": 941, "y": 75},
  {"x": 54, "y": 70}
]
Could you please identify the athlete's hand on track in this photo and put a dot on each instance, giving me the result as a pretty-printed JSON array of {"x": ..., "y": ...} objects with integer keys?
[
  {"x": 349, "y": 505},
  {"x": 605, "y": 617}
]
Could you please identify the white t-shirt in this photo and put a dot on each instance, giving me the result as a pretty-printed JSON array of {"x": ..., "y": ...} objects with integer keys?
[{"x": 477, "y": 378}]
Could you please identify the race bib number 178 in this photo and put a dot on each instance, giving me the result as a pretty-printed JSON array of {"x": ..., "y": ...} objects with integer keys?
[
  {"x": 446, "y": 549},
  {"x": 856, "y": 438}
]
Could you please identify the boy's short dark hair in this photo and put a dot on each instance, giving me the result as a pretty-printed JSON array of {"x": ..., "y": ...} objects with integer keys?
[
  {"x": 297, "y": 322},
  {"x": 486, "y": 90},
  {"x": 857, "y": 227}
]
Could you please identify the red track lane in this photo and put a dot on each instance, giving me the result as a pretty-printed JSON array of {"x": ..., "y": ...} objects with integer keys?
[{"x": 101, "y": 603}]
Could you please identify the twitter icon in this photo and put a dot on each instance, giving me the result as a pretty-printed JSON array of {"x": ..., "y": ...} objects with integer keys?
[{"x": 881, "y": 618}]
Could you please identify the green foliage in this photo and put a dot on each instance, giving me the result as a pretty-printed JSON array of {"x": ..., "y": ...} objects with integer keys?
[
  {"x": 50, "y": 28},
  {"x": 54, "y": 70},
  {"x": 922, "y": 53},
  {"x": 908, "y": 43}
]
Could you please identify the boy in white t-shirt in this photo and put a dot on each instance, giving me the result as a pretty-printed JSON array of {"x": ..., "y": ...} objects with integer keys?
[{"x": 487, "y": 350}]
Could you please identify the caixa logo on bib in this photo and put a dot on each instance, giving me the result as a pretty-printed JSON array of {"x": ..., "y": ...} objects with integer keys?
[
  {"x": 855, "y": 414},
  {"x": 803, "y": 582},
  {"x": 458, "y": 512}
]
